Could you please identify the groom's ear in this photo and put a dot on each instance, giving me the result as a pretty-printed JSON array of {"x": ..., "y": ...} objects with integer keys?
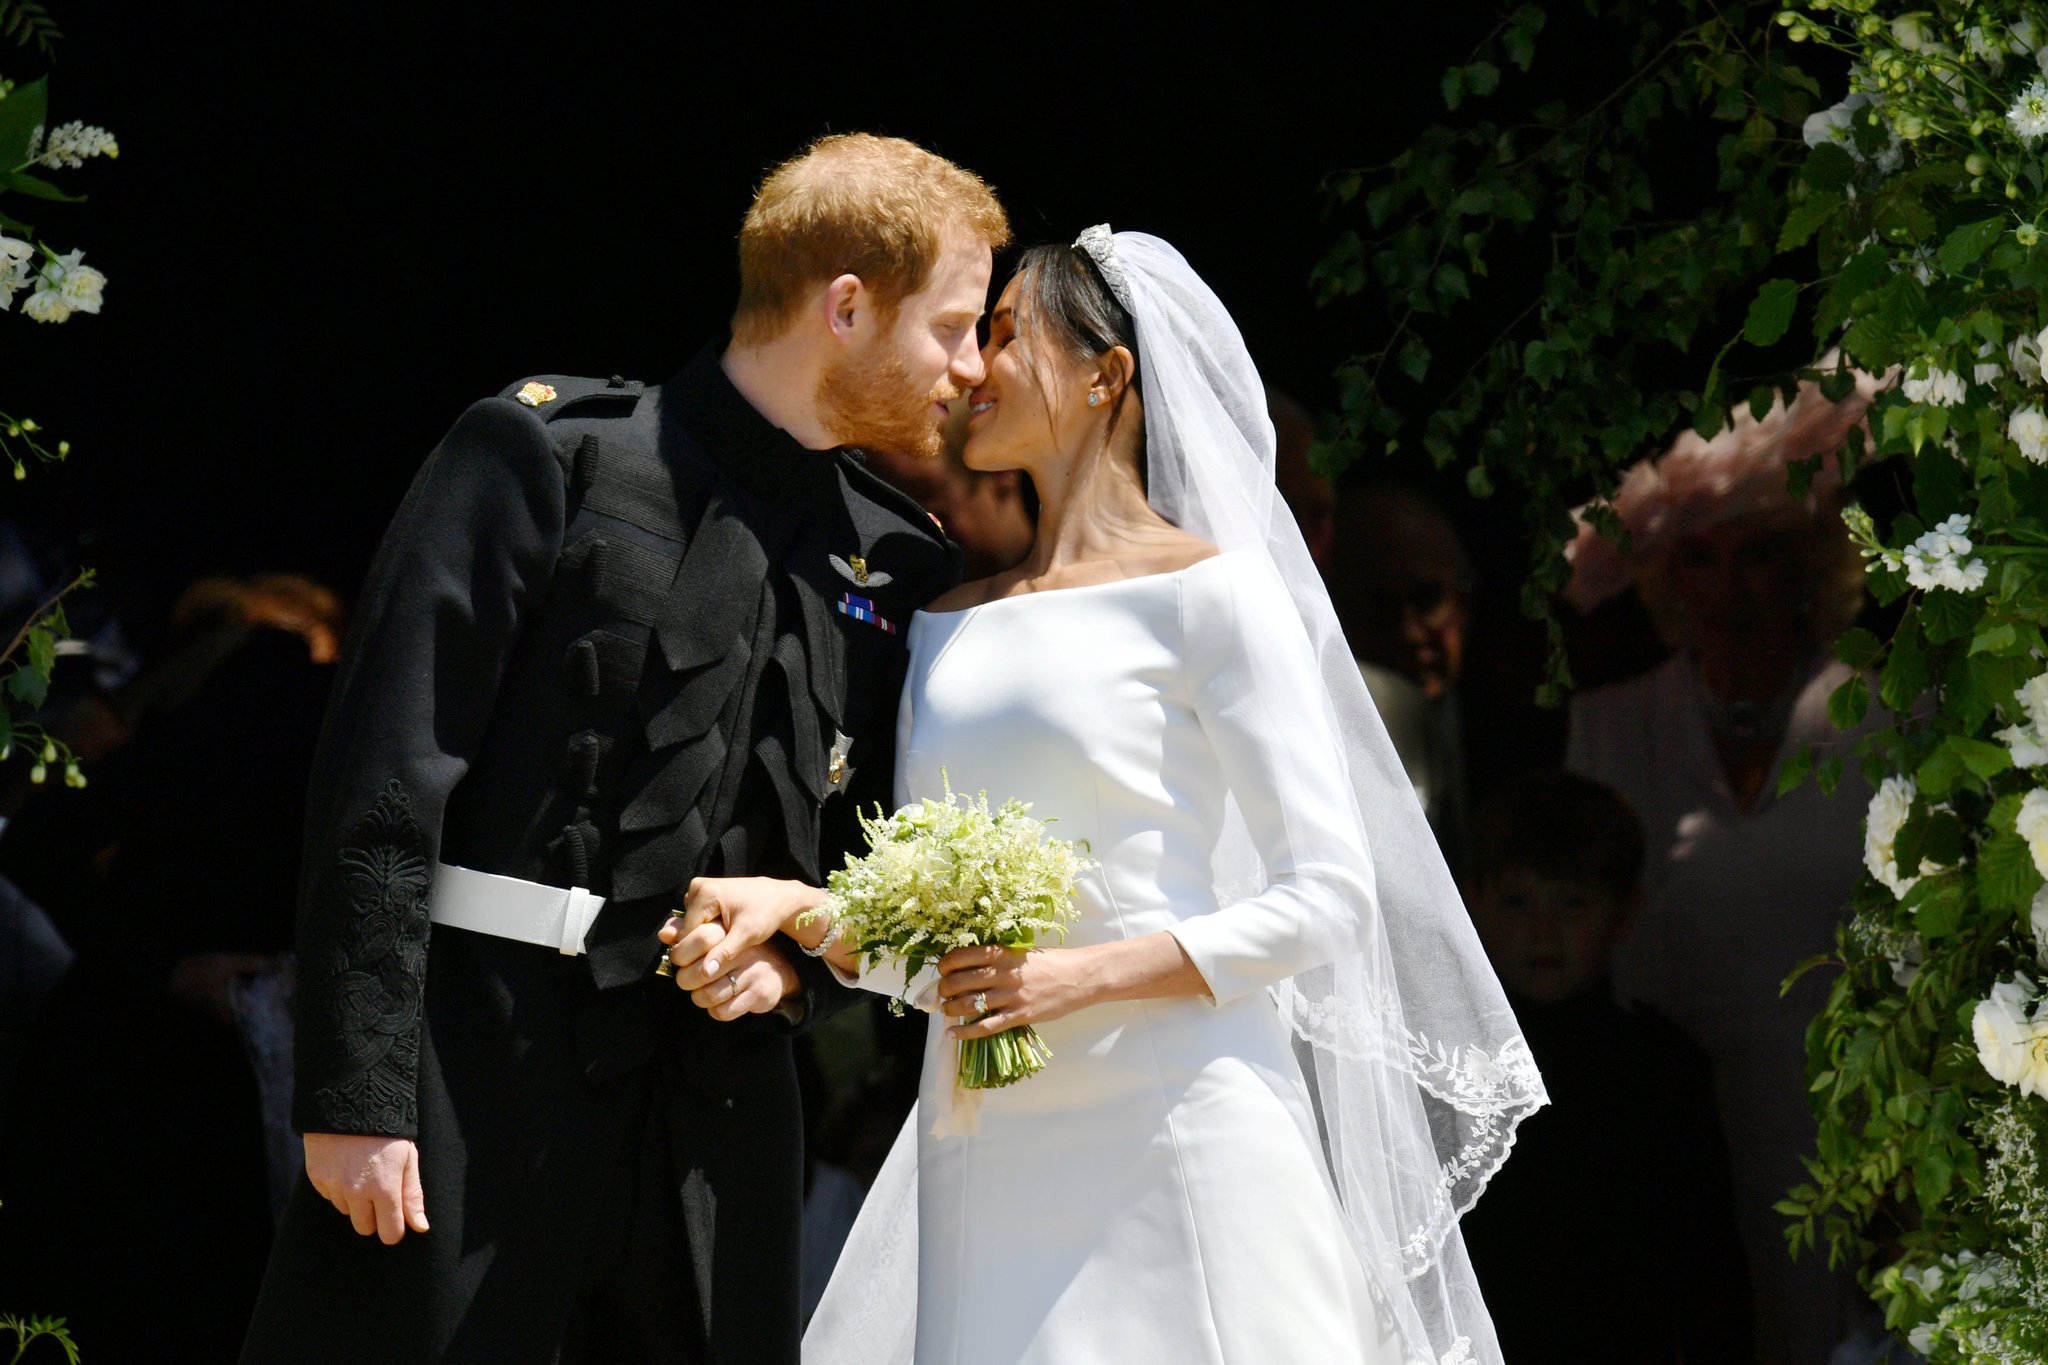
[{"x": 847, "y": 306}]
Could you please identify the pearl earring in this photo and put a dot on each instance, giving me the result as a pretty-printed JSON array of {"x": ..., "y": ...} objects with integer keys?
[{"x": 1094, "y": 400}]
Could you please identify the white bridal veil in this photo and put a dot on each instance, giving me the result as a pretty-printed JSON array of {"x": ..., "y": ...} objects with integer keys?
[{"x": 1418, "y": 1070}]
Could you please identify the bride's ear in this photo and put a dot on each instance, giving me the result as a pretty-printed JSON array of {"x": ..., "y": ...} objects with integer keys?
[{"x": 1114, "y": 371}]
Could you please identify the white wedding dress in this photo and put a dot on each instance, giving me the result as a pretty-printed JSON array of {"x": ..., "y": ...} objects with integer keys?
[{"x": 1158, "y": 1192}]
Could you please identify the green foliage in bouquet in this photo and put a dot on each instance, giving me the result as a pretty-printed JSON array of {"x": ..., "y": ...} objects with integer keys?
[
  {"x": 940, "y": 875},
  {"x": 1898, "y": 216}
]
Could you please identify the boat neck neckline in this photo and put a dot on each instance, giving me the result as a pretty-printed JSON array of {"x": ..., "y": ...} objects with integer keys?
[{"x": 973, "y": 607}]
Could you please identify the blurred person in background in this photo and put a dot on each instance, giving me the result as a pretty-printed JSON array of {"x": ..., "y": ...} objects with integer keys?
[
  {"x": 1402, "y": 585},
  {"x": 1623, "y": 1182},
  {"x": 173, "y": 1027},
  {"x": 1748, "y": 586}
]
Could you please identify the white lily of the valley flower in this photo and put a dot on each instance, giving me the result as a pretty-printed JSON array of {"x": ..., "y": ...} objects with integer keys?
[
  {"x": 1942, "y": 388},
  {"x": 2029, "y": 113},
  {"x": 2012, "y": 1041},
  {"x": 1940, "y": 558},
  {"x": 2028, "y": 428},
  {"x": 73, "y": 144},
  {"x": 2032, "y": 826}
]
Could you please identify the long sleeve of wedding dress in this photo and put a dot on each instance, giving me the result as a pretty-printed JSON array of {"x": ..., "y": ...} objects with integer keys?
[{"x": 1253, "y": 681}]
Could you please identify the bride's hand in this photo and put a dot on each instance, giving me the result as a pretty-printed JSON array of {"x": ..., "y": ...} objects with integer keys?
[
  {"x": 724, "y": 917},
  {"x": 1009, "y": 987}
]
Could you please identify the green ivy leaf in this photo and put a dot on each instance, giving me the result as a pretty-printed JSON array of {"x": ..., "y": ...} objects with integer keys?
[
  {"x": 1858, "y": 648},
  {"x": 1796, "y": 770},
  {"x": 1969, "y": 242},
  {"x": 2006, "y": 878},
  {"x": 1771, "y": 313},
  {"x": 1807, "y": 218},
  {"x": 1905, "y": 675},
  {"x": 28, "y": 687},
  {"x": 1849, "y": 703}
]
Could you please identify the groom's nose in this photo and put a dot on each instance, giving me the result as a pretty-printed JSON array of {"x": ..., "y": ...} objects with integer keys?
[{"x": 967, "y": 368}]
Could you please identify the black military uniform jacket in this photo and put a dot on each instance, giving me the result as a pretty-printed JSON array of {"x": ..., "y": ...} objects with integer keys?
[{"x": 615, "y": 638}]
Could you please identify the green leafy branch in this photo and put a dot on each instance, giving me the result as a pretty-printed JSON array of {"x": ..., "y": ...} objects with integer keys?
[
  {"x": 30, "y": 25},
  {"x": 29, "y": 1330}
]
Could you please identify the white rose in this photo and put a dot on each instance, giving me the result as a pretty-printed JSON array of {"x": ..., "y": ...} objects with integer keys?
[
  {"x": 2028, "y": 428},
  {"x": 2028, "y": 744},
  {"x": 2011, "y": 1045},
  {"x": 1890, "y": 804},
  {"x": 2032, "y": 826}
]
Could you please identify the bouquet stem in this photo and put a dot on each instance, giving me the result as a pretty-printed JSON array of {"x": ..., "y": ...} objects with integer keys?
[{"x": 1002, "y": 1059}]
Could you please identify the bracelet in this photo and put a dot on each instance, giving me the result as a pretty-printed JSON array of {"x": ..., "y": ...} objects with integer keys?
[{"x": 825, "y": 943}]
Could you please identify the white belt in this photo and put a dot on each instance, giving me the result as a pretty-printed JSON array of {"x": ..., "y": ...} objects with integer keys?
[{"x": 485, "y": 903}]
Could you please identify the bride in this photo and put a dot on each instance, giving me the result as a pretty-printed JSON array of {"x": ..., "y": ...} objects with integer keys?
[{"x": 1282, "y": 1067}]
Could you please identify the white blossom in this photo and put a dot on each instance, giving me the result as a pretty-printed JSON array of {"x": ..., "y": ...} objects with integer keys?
[
  {"x": 2029, "y": 739},
  {"x": 2025, "y": 354},
  {"x": 14, "y": 272},
  {"x": 1942, "y": 388},
  {"x": 65, "y": 287},
  {"x": 1910, "y": 33},
  {"x": 1890, "y": 805},
  {"x": 1987, "y": 370},
  {"x": 2037, "y": 921},
  {"x": 1834, "y": 124},
  {"x": 1940, "y": 558},
  {"x": 73, "y": 144},
  {"x": 2032, "y": 826},
  {"x": 2028, "y": 428},
  {"x": 2029, "y": 113},
  {"x": 2012, "y": 1039}
]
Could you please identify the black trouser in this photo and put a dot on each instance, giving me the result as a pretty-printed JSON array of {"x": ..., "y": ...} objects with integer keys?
[{"x": 613, "y": 1178}]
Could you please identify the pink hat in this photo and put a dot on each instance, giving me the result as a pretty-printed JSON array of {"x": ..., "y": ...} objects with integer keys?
[{"x": 1739, "y": 475}]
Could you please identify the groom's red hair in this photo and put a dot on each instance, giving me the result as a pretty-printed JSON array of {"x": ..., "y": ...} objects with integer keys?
[{"x": 853, "y": 204}]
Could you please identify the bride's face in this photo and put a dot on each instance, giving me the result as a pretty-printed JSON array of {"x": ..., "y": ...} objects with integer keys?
[{"x": 1034, "y": 402}]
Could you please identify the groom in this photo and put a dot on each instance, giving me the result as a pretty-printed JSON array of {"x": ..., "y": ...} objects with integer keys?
[{"x": 615, "y": 638}]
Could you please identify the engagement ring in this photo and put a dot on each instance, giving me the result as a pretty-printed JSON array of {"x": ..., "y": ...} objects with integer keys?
[{"x": 981, "y": 1002}]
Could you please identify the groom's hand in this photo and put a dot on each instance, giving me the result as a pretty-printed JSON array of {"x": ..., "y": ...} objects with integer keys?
[
  {"x": 756, "y": 980},
  {"x": 374, "y": 1181}
]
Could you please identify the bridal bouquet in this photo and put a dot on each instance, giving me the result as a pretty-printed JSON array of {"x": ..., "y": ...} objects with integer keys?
[{"x": 949, "y": 874}]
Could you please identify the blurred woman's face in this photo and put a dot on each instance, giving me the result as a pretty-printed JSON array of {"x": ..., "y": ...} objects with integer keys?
[{"x": 1738, "y": 578}]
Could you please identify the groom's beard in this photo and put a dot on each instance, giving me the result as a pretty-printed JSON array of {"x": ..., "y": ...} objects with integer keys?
[{"x": 872, "y": 403}]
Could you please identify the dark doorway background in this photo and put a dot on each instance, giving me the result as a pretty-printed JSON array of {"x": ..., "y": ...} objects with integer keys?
[{"x": 333, "y": 226}]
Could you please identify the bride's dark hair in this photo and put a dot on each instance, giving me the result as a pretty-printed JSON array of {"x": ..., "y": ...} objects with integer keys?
[{"x": 1063, "y": 293}]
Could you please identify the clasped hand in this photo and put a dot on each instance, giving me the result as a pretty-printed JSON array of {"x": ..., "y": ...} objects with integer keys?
[
  {"x": 990, "y": 989},
  {"x": 720, "y": 943}
]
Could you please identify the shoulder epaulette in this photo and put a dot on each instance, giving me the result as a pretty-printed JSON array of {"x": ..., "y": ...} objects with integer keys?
[{"x": 551, "y": 395}]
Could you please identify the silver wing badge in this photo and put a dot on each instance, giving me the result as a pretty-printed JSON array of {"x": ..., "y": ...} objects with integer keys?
[{"x": 856, "y": 570}]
